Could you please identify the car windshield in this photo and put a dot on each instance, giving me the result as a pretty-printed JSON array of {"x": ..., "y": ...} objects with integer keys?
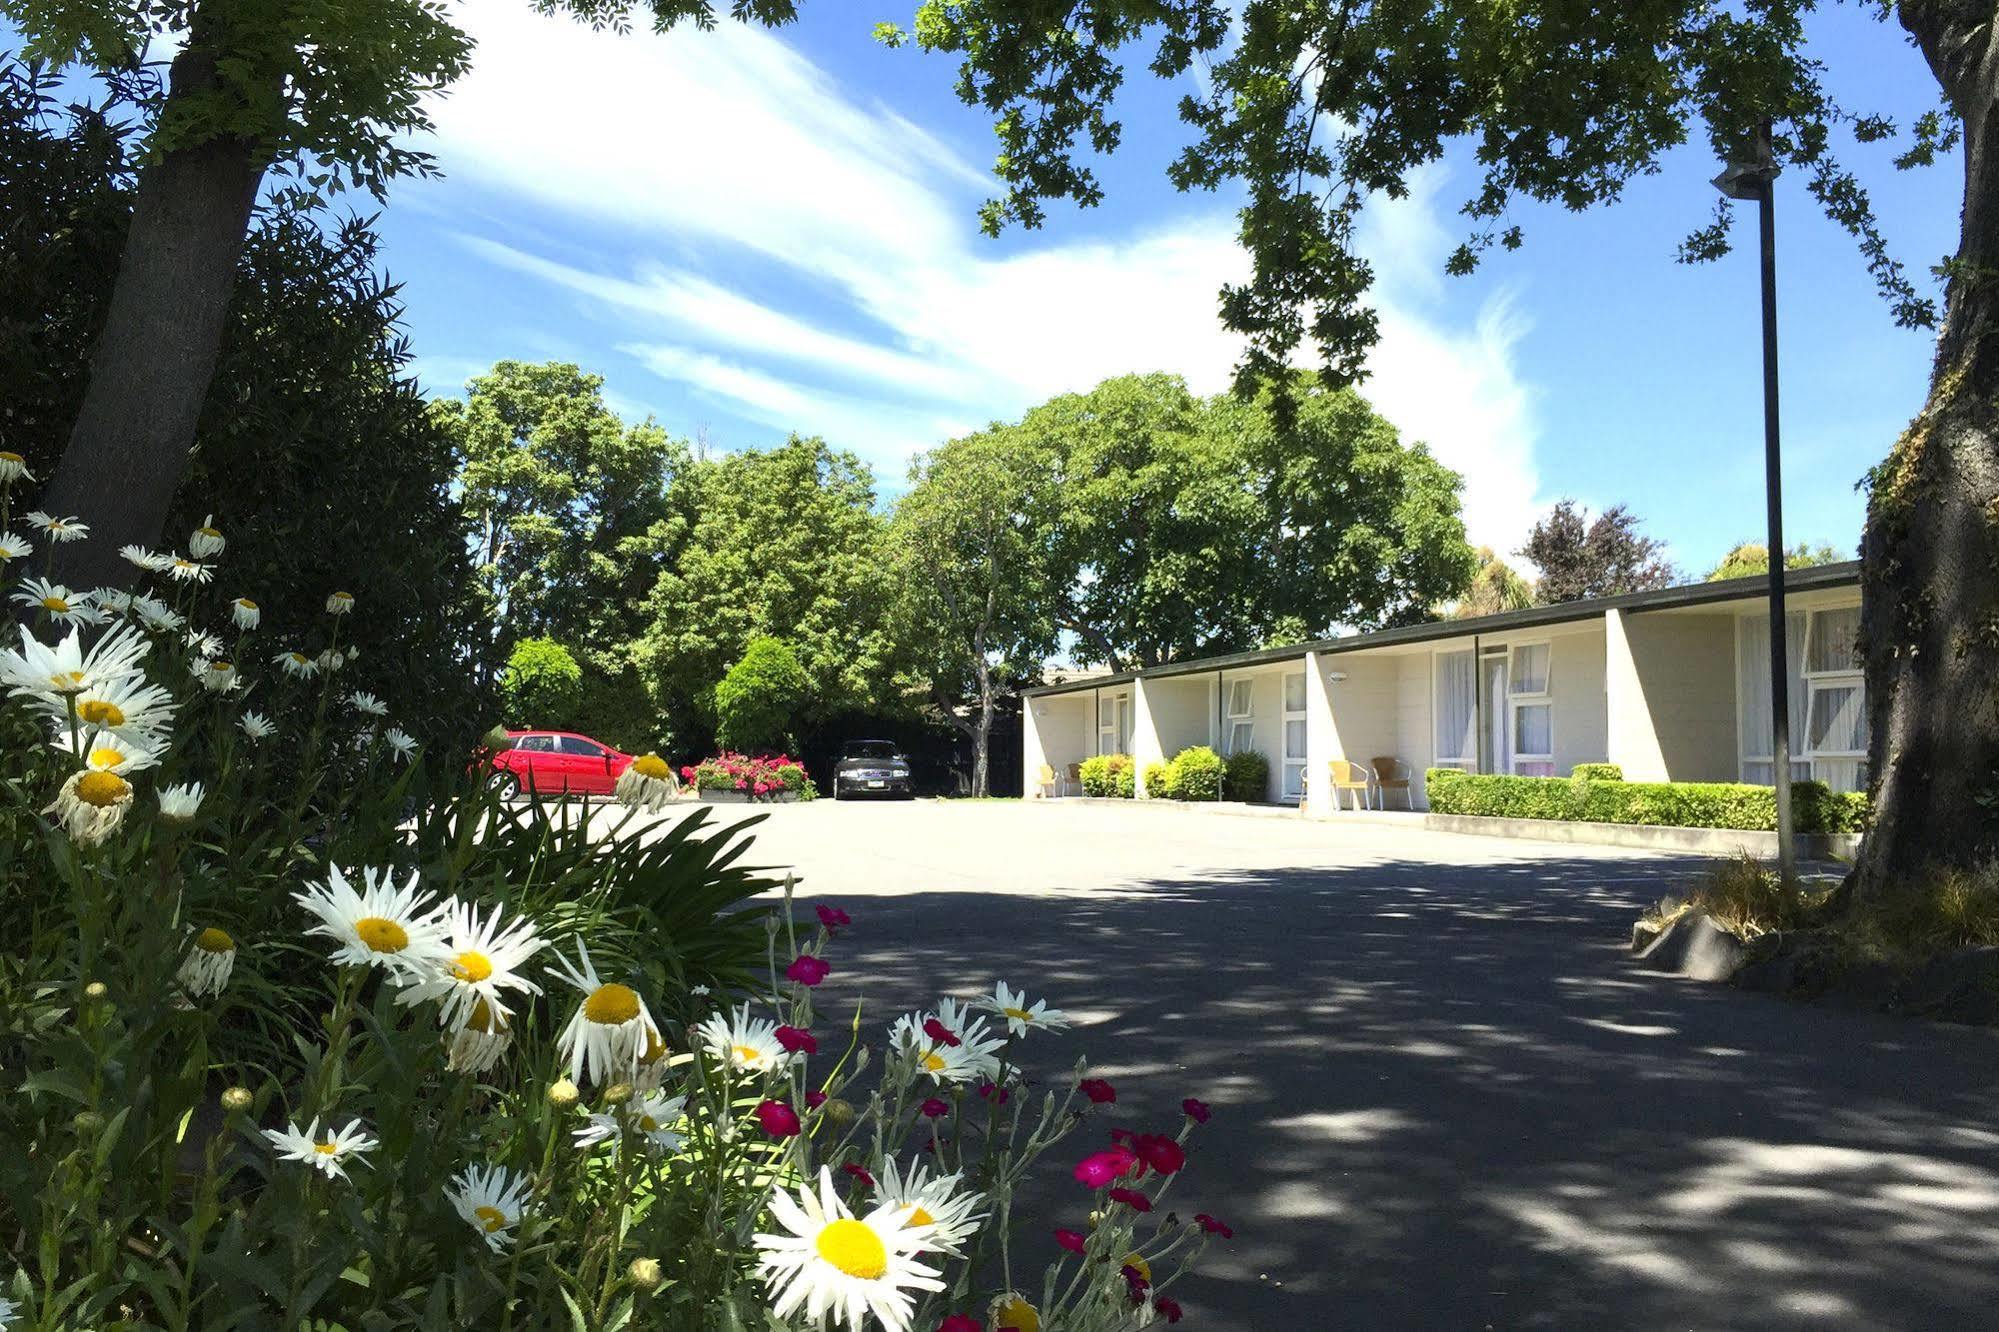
[{"x": 871, "y": 749}]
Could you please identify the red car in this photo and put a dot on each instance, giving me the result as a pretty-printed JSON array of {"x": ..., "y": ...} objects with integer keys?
[{"x": 555, "y": 762}]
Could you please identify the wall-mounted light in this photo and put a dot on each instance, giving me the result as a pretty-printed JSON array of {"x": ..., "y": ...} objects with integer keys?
[{"x": 1336, "y": 677}]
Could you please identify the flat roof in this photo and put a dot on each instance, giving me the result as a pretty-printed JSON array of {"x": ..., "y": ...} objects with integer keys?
[{"x": 1844, "y": 574}]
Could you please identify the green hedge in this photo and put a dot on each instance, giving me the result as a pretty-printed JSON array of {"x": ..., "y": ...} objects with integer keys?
[
  {"x": 1109, "y": 775},
  {"x": 1245, "y": 776},
  {"x": 1195, "y": 774},
  {"x": 1159, "y": 781},
  {"x": 1587, "y": 798}
]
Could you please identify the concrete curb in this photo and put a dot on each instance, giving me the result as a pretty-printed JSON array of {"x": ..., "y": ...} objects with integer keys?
[{"x": 1701, "y": 841}]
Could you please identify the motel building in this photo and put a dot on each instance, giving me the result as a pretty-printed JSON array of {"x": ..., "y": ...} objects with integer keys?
[{"x": 1672, "y": 685}]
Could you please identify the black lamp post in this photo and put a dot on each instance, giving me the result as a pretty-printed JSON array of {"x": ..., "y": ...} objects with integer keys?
[{"x": 1755, "y": 179}]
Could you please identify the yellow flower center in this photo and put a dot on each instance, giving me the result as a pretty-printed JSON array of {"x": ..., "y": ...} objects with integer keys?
[
  {"x": 655, "y": 1047},
  {"x": 652, "y": 766},
  {"x": 56, "y": 605},
  {"x": 1017, "y": 1313},
  {"x": 220, "y": 666},
  {"x": 647, "y": 1124},
  {"x": 246, "y": 603},
  {"x": 1019, "y": 1014},
  {"x": 381, "y": 935},
  {"x": 472, "y": 966},
  {"x": 919, "y": 1215},
  {"x": 106, "y": 757},
  {"x": 7, "y": 457},
  {"x": 212, "y": 940},
  {"x": 207, "y": 532},
  {"x": 102, "y": 789},
  {"x": 481, "y": 1018},
  {"x": 1138, "y": 1265},
  {"x": 747, "y": 1055},
  {"x": 490, "y": 1218},
  {"x": 611, "y": 1005},
  {"x": 101, "y": 712},
  {"x": 324, "y": 1148},
  {"x": 67, "y": 681},
  {"x": 343, "y": 596},
  {"x": 933, "y": 1062},
  {"x": 854, "y": 1248}
]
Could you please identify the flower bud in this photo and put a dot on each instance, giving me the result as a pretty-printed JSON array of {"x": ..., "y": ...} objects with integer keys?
[
  {"x": 88, "y": 1123},
  {"x": 236, "y": 1100},
  {"x": 617, "y": 1093},
  {"x": 838, "y": 1113},
  {"x": 562, "y": 1093},
  {"x": 96, "y": 991},
  {"x": 645, "y": 1273}
]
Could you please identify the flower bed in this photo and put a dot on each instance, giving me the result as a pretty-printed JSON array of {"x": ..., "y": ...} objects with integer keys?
[
  {"x": 745, "y": 777},
  {"x": 1589, "y": 798}
]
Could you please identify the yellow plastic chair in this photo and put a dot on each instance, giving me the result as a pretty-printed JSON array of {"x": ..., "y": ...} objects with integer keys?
[
  {"x": 1391, "y": 774},
  {"x": 1350, "y": 776},
  {"x": 1046, "y": 780}
]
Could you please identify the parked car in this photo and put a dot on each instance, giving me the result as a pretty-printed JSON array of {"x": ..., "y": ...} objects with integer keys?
[
  {"x": 559, "y": 762},
  {"x": 871, "y": 767}
]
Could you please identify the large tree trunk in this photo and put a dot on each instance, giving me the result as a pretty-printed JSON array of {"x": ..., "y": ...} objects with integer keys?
[
  {"x": 153, "y": 362},
  {"x": 1930, "y": 575}
]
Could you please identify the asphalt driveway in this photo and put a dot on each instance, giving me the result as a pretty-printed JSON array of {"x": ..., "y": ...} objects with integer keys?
[{"x": 1444, "y": 1098}]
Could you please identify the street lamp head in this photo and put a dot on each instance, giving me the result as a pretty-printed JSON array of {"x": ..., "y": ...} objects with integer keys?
[{"x": 1750, "y": 179}]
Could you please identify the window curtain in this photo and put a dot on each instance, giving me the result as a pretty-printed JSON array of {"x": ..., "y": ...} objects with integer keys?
[
  {"x": 1752, "y": 676},
  {"x": 1457, "y": 708}
]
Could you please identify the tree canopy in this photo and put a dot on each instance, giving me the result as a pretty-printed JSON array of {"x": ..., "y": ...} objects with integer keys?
[
  {"x": 1747, "y": 559},
  {"x": 1579, "y": 557},
  {"x": 1496, "y": 587}
]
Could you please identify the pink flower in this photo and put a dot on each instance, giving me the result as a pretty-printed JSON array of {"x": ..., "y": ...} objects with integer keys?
[
  {"x": 686, "y": 772},
  {"x": 807, "y": 970},
  {"x": 1160, "y": 1152},
  {"x": 1099, "y": 1091},
  {"x": 814, "y": 1099},
  {"x": 762, "y": 788},
  {"x": 833, "y": 918},
  {"x": 939, "y": 1033},
  {"x": 1072, "y": 1240},
  {"x": 959, "y": 1323},
  {"x": 1132, "y": 1198},
  {"x": 742, "y": 785},
  {"x": 935, "y": 1109},
  {"x": 796, "y": 1039},
  {"x": 1167, "y": 1307},
  {"x": 987, "y": 1089},
  {"x": 1212, "y": 1226},
  {"x": 1100, "y": 1168},
  {"x": 778, "y": 1119},
  {"x": 1196, "y": 1110},
  {"x": 859, "y": 1172}
]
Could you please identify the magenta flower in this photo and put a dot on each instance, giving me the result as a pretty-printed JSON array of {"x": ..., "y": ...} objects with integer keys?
[
  {"x": 1160, "y": 1152},
  {"x": 939, "y": 1033},
  {"x": 1072, "y": 1240},
  {"x": 1099, "y": 1091},
  {"x": 833, "y": 918},
  {"x": 1132, "y": 1198},
  {"x": 959, "y": 1323},
  {"x": 859, "y": 1172},
  {"x": 1196, "y": 1110},
  {"x": 1212, "y": 1226},
  {"x": 1100, "y": 1168},
  {"x": 797, "y": 1039},
  {"x": 814, "y": 1099},
  {"x": 778, "y": 1119},
  {"x": 987, "y": 1090},
  {"x": 807, "y": 970},
  {"x": 1167, "y": 1307},
  {"x": 935, "y": 1109}
]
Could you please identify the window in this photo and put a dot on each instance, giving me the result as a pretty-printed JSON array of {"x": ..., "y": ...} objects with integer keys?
[
  {"x": 535, "y": 744},
  {"x": 1752, "y": 693},
  {"x": 1114, "y": 723},
  {"x": 1241, "y": 729},
  {"x": 1294, "y": 736},
  {"x": 1457, "y": 710},
  {"x": 1531, "y": 730},
  {"x": 1827, "y": 697},
  {"x": 577, "y": 745}
]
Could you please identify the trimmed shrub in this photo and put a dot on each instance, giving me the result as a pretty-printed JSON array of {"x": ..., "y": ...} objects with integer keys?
[
  {"x": 1159, "y": 781},
  {"x": 759, "y": 778},
  {"x": 1197, "y": 774},
  {"x": 1245, "y": 776},
  {"x": 542, "y": 685},
  {"x": 1109, "y": 775},
  {"x": 1597, "y": 772},
  {"x": 1657, "y": 804},
  {"x": 757, "y": 699}
]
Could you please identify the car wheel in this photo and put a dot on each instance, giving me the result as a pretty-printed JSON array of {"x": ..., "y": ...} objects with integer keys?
[
  {"x": 836, "y": 790},
  {"x": 508, "y": 785}
]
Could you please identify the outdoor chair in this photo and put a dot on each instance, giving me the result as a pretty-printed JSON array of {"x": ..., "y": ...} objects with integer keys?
[
  {"x": 1073, "y": 777},
  {"x": 1391, "y": 774},
  {"x": 1045, "y": 779},
  {"x": 1350, "y": 776}
]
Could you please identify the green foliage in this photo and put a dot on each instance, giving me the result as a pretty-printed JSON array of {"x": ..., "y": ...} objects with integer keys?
[
  {"x": 1751, "y": 559},
  {"x": 777, "y": 541},
  {"x": 1496, "y": 587},
  {"x": 1197, "y": 774},
  {"x": 1593, "y": 799},
  {"x": 1108, "y": 775},
  {"x": 1580, "y": 559},
  {"x": 1178, "y": 526},
  {"x": 1159, "y": 781},
  {"x": 542, "y": 686},
  {"x": 1245, "y": 776},
  {"x": 1597, "y": 772},
  {"x": 1746, "y": 898},
  {"x": 757, "y": 701},
  {"x": 615, "y": 708}
]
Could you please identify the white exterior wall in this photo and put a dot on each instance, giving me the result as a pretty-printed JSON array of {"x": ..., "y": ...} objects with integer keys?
[
  {"x": 1415, "y": 725},
  {"x": 1582, "y": 715},
  {"x": 1365, "y": 709},
  {"x": 1183, "y": 712},
  {"x": 1671, "y": 696},
  {"x": 1064, "y": 727}
]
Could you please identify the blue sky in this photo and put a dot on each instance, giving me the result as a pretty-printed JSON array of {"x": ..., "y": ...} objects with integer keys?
[{"x": 748, "y": 233}]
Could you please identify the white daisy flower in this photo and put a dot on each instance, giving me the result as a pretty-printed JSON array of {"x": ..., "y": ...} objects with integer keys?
[
  {"x": 91, "y": 805},
  {"x": 400, "y": 929},
  {"x": 128, "y": 708},
  {"x": 149, "y": 560},
  {"x": 58, "y": 529},
  {"x": 66, "y": 669},
  {"x": 612, "y": 1026},
  {"x": 326, "y": 1152},
  {"x": 246, "y": 613},
  {"x": 183, "y": 570},
  {"x": 491, "y": 1199},
  {"x": 743, "y": 1042},
  {"x": 830, "y": 1263},
  {"x": 202, "y": 644},
  {"x": 942, "y": 1203},
  {"x": 329, "y": 660},
  {"x": 646, "y": 783},
  {"x": 14, "y": 547},
  {"x": 401, "y": 743},
  {"x": 296, "y": 664},
  {"x": 181, "y": 802},
  {"x": 206, "y": 540},
  {"x": 9, "y": 1311},
  {"x": 217, "y": 677},
  {"x": 649, "y": 1116},
  {"x": 971, "y": 1057},
  {"x": 1020, "y": 1015},
  {"x": 156, "y": 614},
  {"x": 256, "y": 725},
  {"x": 211, "y": 956},
  {"x": 368, "y": 705},
  {"x": 478, "y": 1045},
  {"x": 114, "y": 599},
  {"x": 13, "y": 467},
  {"x": 483, "y": 959},
  {"x": 340, "y": 603},
  {"x": 103, "y": 752},
  {"x": 62, "y": 605}
]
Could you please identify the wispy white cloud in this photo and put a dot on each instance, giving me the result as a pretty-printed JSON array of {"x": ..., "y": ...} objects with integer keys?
[{"x": 691, "y": 155}]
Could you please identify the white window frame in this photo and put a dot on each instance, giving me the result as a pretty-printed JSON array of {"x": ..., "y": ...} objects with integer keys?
[
  {"x": 1109, "y": 737},
  {"x": 1817, "y": 682},
  {"x": 1243, "y": 721},
  {"x": 1467, "y": 762},
  {"x": 1287, "y": 789},
  {"x": 1807, "y": 763},
  {"x": 1518, "y": 701}
]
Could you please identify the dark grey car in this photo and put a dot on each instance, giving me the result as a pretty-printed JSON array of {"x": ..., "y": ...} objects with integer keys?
[{"x": 871, "y": 767}]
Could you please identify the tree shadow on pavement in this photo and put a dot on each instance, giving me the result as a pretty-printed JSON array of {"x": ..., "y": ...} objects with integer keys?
[{"x": 1445, "y": 1097}]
